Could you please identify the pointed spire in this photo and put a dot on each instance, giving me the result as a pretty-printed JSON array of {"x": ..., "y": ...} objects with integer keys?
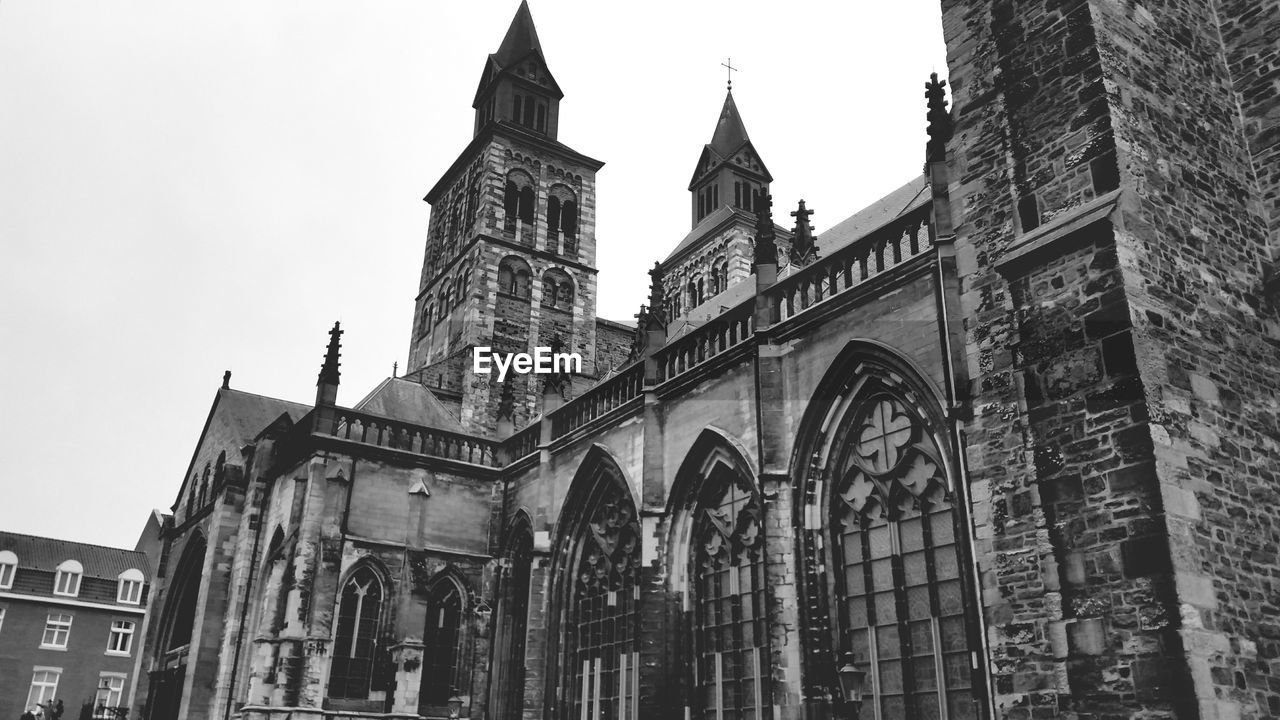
[
  {"x": 766, "y": 250},
  {"x": 730, "y": 133},
  {"x": 521, "y": 38},
  {"x": 940, "y": 126},
  {"x": 329, "y": 370},
  {"x": 804, "y": 249}
]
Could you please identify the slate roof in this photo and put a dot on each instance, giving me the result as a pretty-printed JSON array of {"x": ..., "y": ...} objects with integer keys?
[
  {"x": 888, "y": 208},
  {"x": 908, "y": 197},
  {"x": 730, "y": 133},
  {"x": 411, "y": 402},
  {"x": 521, "y": 38},
  {"x": 247, "y": 414},
  {"x": 40, "y": 553}
]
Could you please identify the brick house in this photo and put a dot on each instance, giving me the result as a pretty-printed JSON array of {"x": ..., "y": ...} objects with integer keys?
[
  {"x": 70, "y": 618},
  {"x": 1001, "y": 444}
]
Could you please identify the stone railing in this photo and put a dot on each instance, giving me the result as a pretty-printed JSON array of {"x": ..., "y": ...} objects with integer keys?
[
  {"x": 599, "y": 400},
  {"x": 719, "y": 334},
  {"x": 392, "y": 434},
  {"x": 905, "y": 238},
  {"x": 523, "y": 443}
]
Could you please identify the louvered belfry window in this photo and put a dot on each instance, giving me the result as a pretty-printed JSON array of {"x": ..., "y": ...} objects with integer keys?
[
  {"x": 731, "y": 638},
  {"x": 898, "y": 586}
]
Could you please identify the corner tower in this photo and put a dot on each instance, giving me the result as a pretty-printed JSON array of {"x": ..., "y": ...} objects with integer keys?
[
  {"x": 727, "y": 182},
  {"x": 510, "y": 251},
  {"x": 730, "y": 172}
]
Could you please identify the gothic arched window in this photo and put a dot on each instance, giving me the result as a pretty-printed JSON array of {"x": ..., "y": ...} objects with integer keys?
[
  {"x": 731, "y": 642},
  {"x": 899, "y": 606},
  {"x": 442, "y": 667},
  {"x": 598, "y": 570},
  {"x": 357, "y": 647},
  {"x": 506, "y": 698}
]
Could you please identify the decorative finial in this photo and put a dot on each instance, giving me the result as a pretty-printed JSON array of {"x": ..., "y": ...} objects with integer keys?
[
  {"x": 766, "y": 250},
  {"x": 728, "y": 63},
  {"x": 655, "y": 288},
  {"x": 329, "y": 371},
  {"x": 226, "y": 379},
  {"x": 395, "y": 369},
  {"x": 940, "y": 127},
  {"x": 803, "y": 248}
]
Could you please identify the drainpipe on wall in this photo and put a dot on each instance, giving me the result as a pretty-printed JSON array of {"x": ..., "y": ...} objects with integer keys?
[{"x": 947, "y": 291}]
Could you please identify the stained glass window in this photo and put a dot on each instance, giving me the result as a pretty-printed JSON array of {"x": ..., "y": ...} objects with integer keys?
[
  {"x": 356, "y": 647},
  {"x": 442, "y": 644},
  {"x": 898, "y": 582},
  {"x": 731, "y": 639},
  {"x": 600, "y": 672}
]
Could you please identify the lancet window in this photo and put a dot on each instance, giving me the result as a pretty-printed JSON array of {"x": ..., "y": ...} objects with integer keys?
[
  {"x": 897, "y": 562},
  {"x": 731, "y": 648},
  {"x": 357, "y": 645},
  {"x": 442, "y": 665},
  {"x": 599, "y": 575}
]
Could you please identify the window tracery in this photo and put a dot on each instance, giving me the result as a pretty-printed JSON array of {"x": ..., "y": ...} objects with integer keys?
[
  {"x": 599, "y": 653},
  {"x": 731, "y": 639},
  {"x": 899, "y": 595},
  {"x": 357, "y": 646}
]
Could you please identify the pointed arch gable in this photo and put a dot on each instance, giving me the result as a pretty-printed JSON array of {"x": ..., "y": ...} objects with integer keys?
[
  {"x": 880, "y": 538},
  {"x": 183, "y": 591},
  {"x": 595, "y": 586},
  {"x": 597, "y": 462}
]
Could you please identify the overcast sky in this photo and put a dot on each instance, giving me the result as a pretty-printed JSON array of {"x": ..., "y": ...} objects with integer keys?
[{"x": 188, "y": 187}]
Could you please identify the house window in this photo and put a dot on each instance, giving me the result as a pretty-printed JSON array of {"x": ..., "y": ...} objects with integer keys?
[
  {"x": 356, "y": 648},
  {"x": 899, "y": 594},
  {"x": 517, "y": 105},
  {"x": 599, "y": 654},
  {"x": 129, "y": 590},
  {"x": 8, "y": 568},
  {"x": 1, "y": 618},
  {"x": 67, "y": 581},
  {"x": 120, "y": 642},
  {"x": 44, "y": 686},
  {"x": 731, "y": 648},
  {"x": 110, "y": 695},
  {"x": 57, "y": 630},
  {"x": 442, "y": 644}
]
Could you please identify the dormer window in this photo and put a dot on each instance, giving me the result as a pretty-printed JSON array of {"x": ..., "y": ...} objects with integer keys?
[
  {"x": 129, "y": 588},
  {"x": 8, "y": 568},
  {"x": 67, "y": 581}
]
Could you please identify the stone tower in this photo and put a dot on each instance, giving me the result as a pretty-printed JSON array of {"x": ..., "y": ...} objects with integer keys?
[
  {"x": 510, "y": 252},
  {"x": 1113, "y": 183},
  {"x": 727, "y": 182}
]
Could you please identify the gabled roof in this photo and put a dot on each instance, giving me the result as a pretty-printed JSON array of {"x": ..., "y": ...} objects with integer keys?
[
  {"x": 243, "y": 415},
  {"x": 897, "y": 203},
  {"x": 521, "y": 38},
  {"x": 730, "y": 133},
  {"x": 728, "y": 139},
  {"x": 719, "y": 219},
  {"x": 41, "y": 553},
  {"x": 409, "y": 401},
  {"x": 519, "y": 43}
]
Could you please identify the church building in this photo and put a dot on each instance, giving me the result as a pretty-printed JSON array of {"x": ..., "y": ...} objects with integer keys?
[{"x": 1002, "y": 444}]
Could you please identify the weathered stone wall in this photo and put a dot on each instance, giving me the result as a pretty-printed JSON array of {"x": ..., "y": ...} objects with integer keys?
[{"x": 1155, "y": 417}]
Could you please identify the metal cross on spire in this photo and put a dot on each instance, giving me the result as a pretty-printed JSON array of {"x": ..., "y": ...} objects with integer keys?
[{"x": 728, "y": 63}]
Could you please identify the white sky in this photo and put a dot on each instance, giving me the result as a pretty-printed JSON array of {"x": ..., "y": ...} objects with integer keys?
[{"x": 192, "y": 187}]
